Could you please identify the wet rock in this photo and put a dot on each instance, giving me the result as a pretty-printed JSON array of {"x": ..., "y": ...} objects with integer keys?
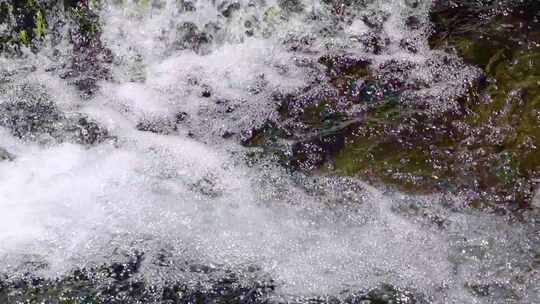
[
  {"x": 345, "y": 65},
  {"x": 28, "y": 23},
  {"x": 186, "y": 5},
  {"x": 91, "y": 58},
  {"x": 507, "y": 50},
  {"x": 484, "y": 144},
  {"x": 83, "y": 130},
  {"x": 308, "y": 155},
  {"x": 535, "y": 202},
  {"x": 301, "y": 44},
  {"x": 118, "y": 283},
  {"x": 387, "y": 294},
  {"x": 159, "y": 126},
  {"x": 227, "y": 134},
  {"x": 293, "y": 6},
  {"x": 30, "y": 115},
  {"x": 189, "y": 36},
  {"x": 228, "y": 8},
  {"x": 375, "y": 19},
  {"x": 408, "y": 45},
  {"x": 5, "y": 155},
  {"x": 180, "y": 117},
  {"x": 27, "y": 118},
  {"x": 413, "y": 23},
  {"x": 412, "y": 3},
  {"x": 23, "y": 23},
  {"x": 206, "y": 92}
]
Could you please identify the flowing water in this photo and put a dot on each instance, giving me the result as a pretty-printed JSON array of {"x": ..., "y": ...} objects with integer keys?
[{"x": 170, "y": 180}]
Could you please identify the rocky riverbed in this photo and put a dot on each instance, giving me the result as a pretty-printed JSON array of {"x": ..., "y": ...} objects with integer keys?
[{"x": 278, "y": 151}]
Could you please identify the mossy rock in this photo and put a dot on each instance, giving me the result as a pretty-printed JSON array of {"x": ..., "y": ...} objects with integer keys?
[
  {"x": 485, "y": 149},
  {"x": 33, "y": 25},
  {"x": 489, "y": 147},
  {"x": 25, "y": 22}
]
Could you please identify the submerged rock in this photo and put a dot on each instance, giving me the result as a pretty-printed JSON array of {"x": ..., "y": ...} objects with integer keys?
[
  {"x": 5, "y": 155},
  {"x": 158, "y": 126},
  {"x": 29, "y": 114},
  {"x": 189, "y": 36},
  {"x": 120, "y": 283}
]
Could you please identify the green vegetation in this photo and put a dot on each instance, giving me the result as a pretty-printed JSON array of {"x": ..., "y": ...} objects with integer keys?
[{"x": 26, "y": 23}]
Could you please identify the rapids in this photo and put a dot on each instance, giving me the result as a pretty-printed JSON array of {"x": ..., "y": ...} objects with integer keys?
[{"x": 157, "y": 168}]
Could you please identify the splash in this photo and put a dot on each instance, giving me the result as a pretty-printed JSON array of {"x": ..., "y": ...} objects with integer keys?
[{"x": 163, "y": 179}]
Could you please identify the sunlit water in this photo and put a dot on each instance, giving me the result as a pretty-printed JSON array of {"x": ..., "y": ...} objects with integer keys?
[{"x": 191, "y": 193}]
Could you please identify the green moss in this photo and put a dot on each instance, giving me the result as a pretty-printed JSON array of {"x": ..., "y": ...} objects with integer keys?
[
  {"x": 477, "y": 52},
  {"x": 25, "y": 22},
  {"x": 24, "y": 38},
  {"x": 272, "y": 15},
  {"x": 389, "y": 162},
  {"x": 389, "y": 110},
  {"x": 505, "y": 112},
  {"x": 87, "y": 22},
  {"x": 504, "y": 115},
  {"x": 28, "y": 25},
  {"x": 41, "y": 25}
]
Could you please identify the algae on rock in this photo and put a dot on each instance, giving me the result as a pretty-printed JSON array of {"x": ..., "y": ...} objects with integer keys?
[{"x": 483, "y": 147}]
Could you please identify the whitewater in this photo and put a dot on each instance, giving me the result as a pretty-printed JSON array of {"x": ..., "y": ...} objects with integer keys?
[{"x": 170, "y": 178}]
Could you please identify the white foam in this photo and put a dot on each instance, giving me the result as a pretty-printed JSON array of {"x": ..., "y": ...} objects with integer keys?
[
  {"x": 69, "y": 205},
  {"x": 75, "y": 200}
]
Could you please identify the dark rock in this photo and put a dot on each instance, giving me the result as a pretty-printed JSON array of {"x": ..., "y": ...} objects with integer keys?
[
  {"x": 118, "y": 283},
  {"x": 159, "y": 126},
  {"x": 5, "y": 155},
  {"x": 408, "y": 45},
  {"x": 30, "y": 115},
  {"x": 412, "y": 3},
  {"x": 413, "y": 23},
  {"x": 228, "y": 8},
  {"x": 87, "y": 131},
  {"x": 308, "y": 156},
  {"x": 292, "y": 6},
  {"x": 27, "y": 24},
  {"x": 375, "y": 19},
  {"x": 206, "y": 93},
  {"x": 186, "y": 5},
  {"x": 180, "y": 117},
  {"x": 227, "y": 134},
  {"x": 374, "y": 43},
  {"x": 27, "y": 118},
  {"x": 188, "y": 36},
  {"x": 91, "y": 58}
]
